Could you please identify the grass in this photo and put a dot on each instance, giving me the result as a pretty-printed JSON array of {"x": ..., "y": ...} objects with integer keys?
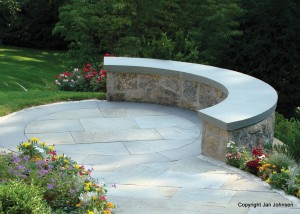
[{"x": 27, "y": 79}]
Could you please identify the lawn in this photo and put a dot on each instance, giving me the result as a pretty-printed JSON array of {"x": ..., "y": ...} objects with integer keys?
[{"x": 27, "y": 79}]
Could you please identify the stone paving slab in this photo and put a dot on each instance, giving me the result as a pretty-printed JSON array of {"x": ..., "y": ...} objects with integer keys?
[
  {"x": 153, "y": 146},
  {"x": 48, "y": 126},
  {"x": 73, "y": 114},
  {"x": 113, "y": 135},
  {"x": 59, "y": 138},
  {"x": 118, "y": 123},
  {"x": 151, "y": 152},
  {"x": 115, "y": 148}
]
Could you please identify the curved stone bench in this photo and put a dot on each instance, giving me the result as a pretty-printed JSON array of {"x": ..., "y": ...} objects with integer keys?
[{"x": 232, "y": 106}]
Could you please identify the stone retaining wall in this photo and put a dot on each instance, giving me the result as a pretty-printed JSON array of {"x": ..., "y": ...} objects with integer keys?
[
  {"x": 216, "y": 139},
  {"x": 245, "y": 117},
  {"x": 164, "y": 90},
  {"x": 190, "y": 95}
]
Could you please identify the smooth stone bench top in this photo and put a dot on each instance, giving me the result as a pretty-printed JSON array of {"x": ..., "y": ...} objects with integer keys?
[{"x": 249, "y": 100}]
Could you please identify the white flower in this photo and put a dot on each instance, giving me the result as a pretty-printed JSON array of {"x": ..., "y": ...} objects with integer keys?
[
  {"x": 40, "y": 150},
  {"x": 230, "y": 143},
  {"x": 75, "y": 69},
  {"x": 87, "y": 196}
]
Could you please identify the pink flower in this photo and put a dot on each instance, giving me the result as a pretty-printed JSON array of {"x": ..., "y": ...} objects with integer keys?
[
  {"x": 88, "y": 65},
  {"x": 107, "y": 54},
  {"x": 229, "y": 155},
  {"x": 102, "y": 198}
]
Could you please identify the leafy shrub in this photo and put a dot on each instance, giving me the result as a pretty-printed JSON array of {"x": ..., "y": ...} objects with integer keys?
[
  {"x": 288, "y": 131},
  {"x": 17, "y": 197},
  {"x": 66, "y": 186},
  {"x": 281, "y": 160},
  {"x": 87, "y": 79}
]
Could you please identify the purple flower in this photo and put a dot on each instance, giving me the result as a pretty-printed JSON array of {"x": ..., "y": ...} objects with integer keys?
[
  {"x": 50, "y": 186},
  {"x": 72, "y": 191},
  {"x": 17, "y": 160},
  {"x": 19, "y": 167},
  {"x": 26, "y": 158}
]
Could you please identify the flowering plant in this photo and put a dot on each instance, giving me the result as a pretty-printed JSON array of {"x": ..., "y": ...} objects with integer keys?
[
  {"x": 258, "y": 156},
  {"x": 234, "y": 156},
  {"x": 87, "y": 79},
  {"x": 67, "y": 186}
]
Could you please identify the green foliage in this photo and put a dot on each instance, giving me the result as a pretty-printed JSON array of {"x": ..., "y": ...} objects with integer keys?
[
  {"x": 193, "y": 31},
  {"x": 281, "y": 160},
  {"x": 236, "y": 157},
  {"x": 269, "y": 49},
  {"x": 87, "y": 79},
  {"x": 17, "y": 197},
  {"x": 288, "y": 131},
  {"x": 34, "y": 70},
  {"x": 63, "y": 184},
  {"x": 29, "y": 23}
]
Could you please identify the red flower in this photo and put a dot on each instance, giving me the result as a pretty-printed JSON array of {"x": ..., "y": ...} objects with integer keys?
[
  {"x": 103, "y": 72},
  {"x": 257, "y": 152},
  {"x": 85, "y": 69},
  {"x": 253, "y": 163},
  {"x": 53, "y": 153},
  {"x": 107, "y": 54},
  {"x": 53, "y": 159},
  {"x": 102, "y": 198},
  {"x": 88, "y": 65}
]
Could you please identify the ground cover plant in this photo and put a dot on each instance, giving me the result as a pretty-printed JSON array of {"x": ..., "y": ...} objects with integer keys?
[
  {"x": 27, "y": 79},
  {"x": 50, "y": 181},
  {"x": 278, "y": 169}
]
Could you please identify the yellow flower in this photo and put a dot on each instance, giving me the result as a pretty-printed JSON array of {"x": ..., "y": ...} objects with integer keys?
[
  {"x": 66, "y": 161},
  {"x": 273, "y": 166},
  {"x": 27, "y": 144},
  {"x": 287, "y": 171},
  {"x": 43, "y": 144},
  {"x": 34, "y": 139},
  {"x": 107, "y": 212},
  {"x": 268, "y": 180},
  {"x": 78, "y": 205},
  {"x": 51, "y": 148},
  {"x": 261, "y": 168},
  {"x": 90, "y": 212},
  {"x": 77, "y": 166},
  {"x": 99, "y": 189},
  {"x": 274, "y": 172},
  {"x": 282, "y": 170},
  {"x": 94, "y": 197},
  {"x": 110, "y": 205}
]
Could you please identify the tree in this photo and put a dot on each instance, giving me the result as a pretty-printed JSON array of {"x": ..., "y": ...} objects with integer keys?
[
  {"x": 29, "y": 23},
  {"x": 270, "y": 48}
]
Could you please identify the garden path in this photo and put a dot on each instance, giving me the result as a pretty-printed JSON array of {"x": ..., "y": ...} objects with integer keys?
[{"x": 150, "y": 152}]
